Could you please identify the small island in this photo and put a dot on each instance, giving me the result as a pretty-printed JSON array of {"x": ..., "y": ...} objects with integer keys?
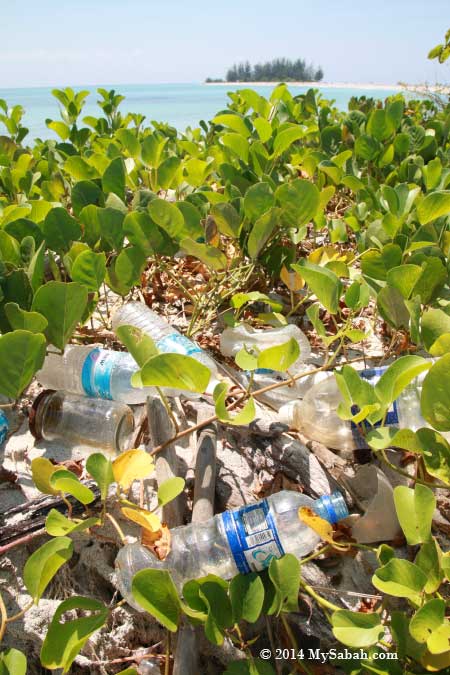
[{"x": 277, "y": 70}]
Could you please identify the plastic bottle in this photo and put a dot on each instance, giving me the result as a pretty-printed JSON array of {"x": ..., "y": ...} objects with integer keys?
[
  {"x": 149, "y": 667},
  {"x": 165, "y": 336},
  {"x": 5, "y": 421},
  {"x": 316, "y": 415},
  {"x": 96, "y": 372},
  {"x": 234, "y": 339},
  {"x": 80, "y": 421},
  {"x": 242, "y": 540}
]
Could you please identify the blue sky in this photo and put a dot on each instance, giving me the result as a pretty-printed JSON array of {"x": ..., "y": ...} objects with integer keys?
[{"x": 60, "y": 42}]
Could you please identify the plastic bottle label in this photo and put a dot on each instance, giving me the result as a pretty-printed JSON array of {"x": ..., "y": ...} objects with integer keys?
[
  {"x": 178, "y": 344},
  {"x": 4, "y": 427},
  {"x": 372, "y": 376},
  {"x": 96, "y": 372},
  {"x": 252, "y": 537}
]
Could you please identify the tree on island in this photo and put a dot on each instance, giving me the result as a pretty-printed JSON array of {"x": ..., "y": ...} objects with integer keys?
[{"x": 276, "y": 70}]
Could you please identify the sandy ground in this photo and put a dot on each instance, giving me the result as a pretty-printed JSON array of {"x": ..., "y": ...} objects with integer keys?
[{"x": 342, "y": 85}]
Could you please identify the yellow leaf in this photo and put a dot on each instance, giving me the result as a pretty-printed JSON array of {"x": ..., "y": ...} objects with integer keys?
[
  {"x": 435, "y": 662},
  {"x": 322, "y": 527},
  {"x": 42, "y": 470},
  {"x": 291, "y": 279},
  {"x": 149, "y": 521},
  {"x": 130, "y": 466}
]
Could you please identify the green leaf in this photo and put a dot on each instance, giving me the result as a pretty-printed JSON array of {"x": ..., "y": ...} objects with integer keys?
[
  {"x": 247, "y": 667},
  {"x": 175, "y": 371},
  {"x": 435, "y": 397},
  {"x": 60, "y": 229},
  {"x": 152, "y": 147},
  {"x": 113, "y": 179},
  {"x": 433, "y": 206},
  {"x": 300, "y": 200},
  {"x": 167, "y": 172},
  {"x": 435, "y": 452},
  {"x": 258, "y": 199},
  {"x": 323, "y": 283},
  {"x": 237, "y": 143},
  {"x": 435, "y": 331},
  {"x": 129, "y": 141},
  {"x": 66, "y": 481},
  {"x": 65, "y": 640},
  {"x": 89, "y": 269},
  {"x": 262, "y": 230},
  {"x": 210, "y": 255},
  {"x": 246, "y": 360},
  {"x": 169, "y": 218},
  {"x": 428, "y": 625},
  {"x": 80, "y": 169},
  {"x": 142, "y": 232},
  {"x": 379, "y": 125},
  {"x": 84, "y": 193},
  {"x": 13, "y": 662},
  {"x": 431, "y": 281},
  {"x": 155, "y": 592},
  {"x": 392, "y": 307},
  {"x": 355, "y": 629},
  {"x": 22, "y": 353},
  {"x": 139, "y": 344},
  {"x": 245, "y": 416},
  {"x": 415, "y": 512},
  {"x": 170, "y": 489},
  {"x": 404, "y": 278},
  {"x": 218, "y": 606},
  {"x": 284, "y": 574},
  {"x": 247, "y": 597},
  {"x": 42, "y": 565},
  {"x": 129, "y": 265},
  {"x": 398, "y": 375},
  {"x": 227, "y": 219},
  {"x": 57, "y": 525},
  {"x": 284, "y": 139},
  {"x": 63, "y": 306},
  {"x": 234, "y": 122},
  {"x": 384, "y": 437},
  {"x": 401, "y": 579},
  {"x": 21, "y": 319},
  {"x": 101, "y": 470},
  {"x": 280, "y": 357},
  {"x": 429, "y": 561}
]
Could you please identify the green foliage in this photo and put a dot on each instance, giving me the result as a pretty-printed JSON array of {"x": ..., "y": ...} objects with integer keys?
[{"x": 43, "y": 564}]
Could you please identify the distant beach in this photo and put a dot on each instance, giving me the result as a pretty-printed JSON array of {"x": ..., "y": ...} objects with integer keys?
[{"x": 363, "y": 86}]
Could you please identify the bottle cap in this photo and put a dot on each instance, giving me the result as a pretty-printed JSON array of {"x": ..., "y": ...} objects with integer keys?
[
  {"x": 34, "y": 417},
  {"x": 331, "y": 507}
]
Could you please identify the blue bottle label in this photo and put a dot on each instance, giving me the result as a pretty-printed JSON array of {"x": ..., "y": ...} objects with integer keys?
[
  {"x": 372, "y": 376},
  {"x": 4, "y": 427},
  {"x": 96, "y": 372},
  {"x": 178, "y": 344},
  {"x": 252, "y": 537}
]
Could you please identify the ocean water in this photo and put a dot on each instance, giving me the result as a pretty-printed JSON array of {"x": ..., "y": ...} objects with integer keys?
[{"x": 181, "y": 105}]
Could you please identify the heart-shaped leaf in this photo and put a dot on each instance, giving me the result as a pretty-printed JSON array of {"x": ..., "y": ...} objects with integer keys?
[
  {"x": 63, "y": 306},
  {"x": 155, "y": 592},
  {"x": 355, "y": 629},
  {"x": 22, "y": 353},
  {"x": 57, "y": 525},
  {"x": 101, "y": 470},
  {"x": 176, "y": 371},
  {"x": 42, "y": 565},
  {"x": 170, "y": 489},
  {"x": 132, "y": 465},
  {"x": 415, "y": 510}
]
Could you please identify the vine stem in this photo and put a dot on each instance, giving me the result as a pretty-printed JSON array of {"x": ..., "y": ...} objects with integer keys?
[
  {"x": 392, "y": 466},
  {"x": 325, "y": 604},
  {"x": 20, "y": 614},
  {"x": 293, "y": 642},
  {"x": 116, "y": 527},
  {"x": 3, "y": 618},
  {"x": 234, "y": 404}
]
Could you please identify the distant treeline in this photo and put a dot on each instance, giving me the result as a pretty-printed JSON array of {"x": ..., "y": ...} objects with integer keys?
[{"x": 278, "y": 70}]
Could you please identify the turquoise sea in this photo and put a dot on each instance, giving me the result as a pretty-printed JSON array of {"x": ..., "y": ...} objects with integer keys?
[{"x": 181, "y": 105}]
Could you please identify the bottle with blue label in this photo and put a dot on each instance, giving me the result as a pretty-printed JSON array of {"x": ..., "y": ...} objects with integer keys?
[
  {"x": 4, "y": 422},
  {"x": 243, "y": 540},
  {"x": 316, "y": 414},
  {"x": 165, "y": 336}
]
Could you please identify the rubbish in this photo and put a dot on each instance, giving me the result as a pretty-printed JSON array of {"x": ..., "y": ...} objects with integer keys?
[
  {"x": 316, "y": 415},
  {"x": 376, "y": 496},
  {"x": 149, "y": 667},
  {"x": 242, "y": 540},
  {"x": 233, "y": 340},
  {"x": 5, "y": 420},
  {"x": 78, "y": 420},
  {"x": 95, "y": 372},
  {"x": 166, "y": 337}
]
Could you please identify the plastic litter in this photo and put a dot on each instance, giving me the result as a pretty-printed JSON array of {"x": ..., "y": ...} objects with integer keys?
[
  {"x": 316, "y": 415},
  {"x": 165, "y": 336},
  {"x": 242, "y": 540},
  {"x": 81, "y": 421},
  {"x": 234, "y": 339}
]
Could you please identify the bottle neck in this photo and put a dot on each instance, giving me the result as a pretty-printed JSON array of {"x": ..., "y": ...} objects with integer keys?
[{"x": 331, "y": 507}]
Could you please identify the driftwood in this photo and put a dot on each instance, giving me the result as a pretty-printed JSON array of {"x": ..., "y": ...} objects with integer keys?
[{"x": 186, "y": 656}]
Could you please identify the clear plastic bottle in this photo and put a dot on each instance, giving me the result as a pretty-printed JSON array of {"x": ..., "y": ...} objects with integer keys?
[
  {"x": 234, "y": 339},
  {"x": 316, "y": 415},
  {"x": 96, "y": 372},
  {"x": 5, "y": 421},
  {"x": 165, "y": 336},
  {"x": 242, "y": 540},
  {"x": 80, "y": 421}
]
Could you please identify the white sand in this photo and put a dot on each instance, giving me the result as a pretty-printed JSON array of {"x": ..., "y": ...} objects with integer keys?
[{"x": 342, "y": 85}]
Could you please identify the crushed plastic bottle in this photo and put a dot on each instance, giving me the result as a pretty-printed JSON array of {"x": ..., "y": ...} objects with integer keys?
[
  {"x": 316, "y": 415},
  {"x": 95, "y": 372},
  {"x": 80, "y": 421},
  {"x": 165, "y": 336},
  {"x": 234, "y": 339},
  {"x": 242, "y": 540}
]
